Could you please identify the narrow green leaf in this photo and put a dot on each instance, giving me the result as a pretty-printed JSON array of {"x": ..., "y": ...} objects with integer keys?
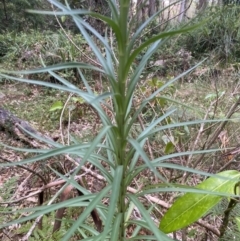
[
  {"x": 138, "y": 71},
  {"x": 147, "y": 218},
  {"x": 113, "y": 200},
  {"x": 177, "y": 167},
  {"x": 158, "y": 37},
  {"x": 155, "y": 123},
  {"x": 142, "y": 237},
  {"x": 74, "y": 202},
  {"x": 144, "y": 25},
  {"x": 192, "y": 206},
  {"x": 144, "y": 156},
  {"x": 86, "y": 212},
  {"x": 61, "y": 66},
  {"x": 115, "y": 229}
]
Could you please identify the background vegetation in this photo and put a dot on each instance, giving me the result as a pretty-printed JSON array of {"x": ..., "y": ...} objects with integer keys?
[{"x": 209, "y": 92}]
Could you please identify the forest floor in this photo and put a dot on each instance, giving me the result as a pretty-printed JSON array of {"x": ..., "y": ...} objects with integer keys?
[{"x": 203, "y": 95}]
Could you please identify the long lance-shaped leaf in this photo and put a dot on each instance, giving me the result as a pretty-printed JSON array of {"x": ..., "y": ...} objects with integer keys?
[
  {"x": 135, "y": 77},
  {"x": 146, "y": 23},
  {"x": 115, "y": 229},
  {"x": 144, "y": 156},
  {"x": 187, "y": 190},
  {"x": 94, "y": 101},
  {"x": 154, "y": 123},
  {"x": 111, "y": 60},
  {"x": 172, "y": 81},
  {"x": 61, "y": 66},
  {"x": 159, "y": 163},
  {"x": 156, "y": 38},
  {"x": 84, "y": 12},
  {"x": 102, "y": 39},
  {"x": 116, "y": 184},
  {"x": 72, "y": 181},
  {"x": 114, "y": 10},
  {"x": 74, "y": 203},
  {"x": 86, "y": 212},
  {"x": 94, "y": 158},
  {"x": 194, "y": 108},
  {"x": 81, "y": 24},
  {"x": 90, "y": 98},
  {"x": 138, "y": 227},
  {"x": 67, "y": 149},
  {"x": 192, "y": 206},
  {"x": 50, "y": 153},
  {"x": 75, "y": 90},
  {"x": 151, "y": 225},
  {"x": 153, "y": 95},
  {"x": 93, "y": 146},
  {"x": 38, "y": 211},
  {"x": 142, "y": 141},
  {"x": 89, "y": 90},
  {"x": 89, "y": 229},
  {"x": 72, "y": 12},
  {"x": 174, "y": 125},
  {"x": 61, "y": 79}
]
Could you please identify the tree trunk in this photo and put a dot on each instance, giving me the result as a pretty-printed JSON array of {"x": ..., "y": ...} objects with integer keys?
[
  {"x": 13, "y": 124},
  {"x": 202, "y": 4},
  {"x": 182, "y": 11},
  {"x": 152, "y": 7},
  {"x": 5, "y": 10}
]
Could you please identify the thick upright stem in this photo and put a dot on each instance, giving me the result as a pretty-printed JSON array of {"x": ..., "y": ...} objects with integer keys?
[{"x": 121, "y": 107}]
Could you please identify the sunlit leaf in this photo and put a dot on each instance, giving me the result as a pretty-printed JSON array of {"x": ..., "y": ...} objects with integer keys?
[
  {"x": 192, "y": 206},
  {"x": 58, "y": 105},
  {"x": 169, "y": 148},
  {"x": 63, "y": 18},
  {"x": 238, "y": 222}
]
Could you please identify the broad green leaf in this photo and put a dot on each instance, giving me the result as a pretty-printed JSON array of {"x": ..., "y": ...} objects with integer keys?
[
  {"x": 169, "y": 148},
  {"x": 58, "y": 105},
  {"x": 192, "y": 206}
]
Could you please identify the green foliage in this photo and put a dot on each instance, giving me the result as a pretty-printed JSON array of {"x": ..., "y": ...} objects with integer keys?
[
  {"x": 58, "y": 105},
  {"x": 7, "y": 190},
  {"x": 219, "y": 37},
  {"x": 192, "y": 206},
  {"x": 44, "y": 234},
  {"x": 13, "y": 15},
  {"x": 23, "y": 50},
  {"x": 232, "y": 229},
  {"x": 117, "y": 155},
  {"x": 225, "y": 2}
]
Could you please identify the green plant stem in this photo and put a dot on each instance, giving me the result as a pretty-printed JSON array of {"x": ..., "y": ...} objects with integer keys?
[
  {"x": 227, "y": 212},
  {"x": 121, "y": 110}
]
